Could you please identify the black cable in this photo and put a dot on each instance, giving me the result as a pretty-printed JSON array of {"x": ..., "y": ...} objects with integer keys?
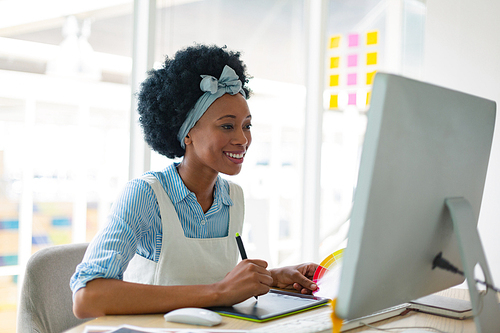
[{"x": 442, "y": 263}]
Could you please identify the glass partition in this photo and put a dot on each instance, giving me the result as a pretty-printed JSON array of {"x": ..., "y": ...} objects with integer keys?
[
  {"x": 271, "y": 38},
  {"x": 65, "y": 109},
  {"x": 364, "y": 36}
]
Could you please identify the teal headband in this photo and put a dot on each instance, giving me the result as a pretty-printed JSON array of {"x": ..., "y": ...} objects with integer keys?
[{"x": 228, "y": 82}]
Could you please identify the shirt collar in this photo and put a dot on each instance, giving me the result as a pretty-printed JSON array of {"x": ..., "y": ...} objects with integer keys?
[
  {"x": 177, "y": 190},
  {"x": 222, "y": 191}
]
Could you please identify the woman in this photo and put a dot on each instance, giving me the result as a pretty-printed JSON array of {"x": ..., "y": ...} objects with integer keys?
[{"x": 169, "y": 242}]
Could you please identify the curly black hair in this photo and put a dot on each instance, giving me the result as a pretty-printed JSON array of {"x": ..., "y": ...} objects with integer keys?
[{"x": 169, "y": 93}]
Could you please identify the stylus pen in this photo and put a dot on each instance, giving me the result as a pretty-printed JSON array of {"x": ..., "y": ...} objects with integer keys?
[{"x": 243, "y": 253}]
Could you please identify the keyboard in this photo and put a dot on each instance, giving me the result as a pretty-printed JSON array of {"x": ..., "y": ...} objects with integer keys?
[
  {"x": 321, "y": 322},
  {"x": 315, "y": 323}
]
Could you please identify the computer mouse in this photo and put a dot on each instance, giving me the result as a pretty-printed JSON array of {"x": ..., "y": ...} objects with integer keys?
[{"x": 193, "y": 316}]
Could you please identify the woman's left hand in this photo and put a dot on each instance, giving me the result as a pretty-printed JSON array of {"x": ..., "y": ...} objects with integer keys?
[{"x": 295, "y": 277}]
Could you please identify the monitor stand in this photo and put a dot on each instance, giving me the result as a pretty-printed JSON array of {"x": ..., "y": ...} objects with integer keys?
[{"x": 484, "y": 305}]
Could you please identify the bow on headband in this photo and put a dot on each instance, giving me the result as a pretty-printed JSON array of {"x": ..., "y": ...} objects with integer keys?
[{"x": 227, "y": 83}]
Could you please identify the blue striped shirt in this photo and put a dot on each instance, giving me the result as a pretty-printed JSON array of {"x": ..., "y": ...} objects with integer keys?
[{"x": 134, "y": 225}]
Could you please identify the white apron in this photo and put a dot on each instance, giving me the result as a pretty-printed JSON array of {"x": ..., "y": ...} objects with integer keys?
[{"x": 188, "y": 261}]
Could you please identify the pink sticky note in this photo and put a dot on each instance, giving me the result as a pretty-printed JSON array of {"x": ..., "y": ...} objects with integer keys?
[
  {"x": 352, "y": 99},
  {"x": 352, "y": 60},
  {"x": 353, "y": 40},
  {"x": 352, "y": 79}
]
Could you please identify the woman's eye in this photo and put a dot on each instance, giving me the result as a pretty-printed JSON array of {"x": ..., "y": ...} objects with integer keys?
[
  {"x": 248, "y": 126},
  {"x": 227, "y": 126}
]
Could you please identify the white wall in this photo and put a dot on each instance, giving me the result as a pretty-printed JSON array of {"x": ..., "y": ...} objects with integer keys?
[{"x": 462, "y": 52}]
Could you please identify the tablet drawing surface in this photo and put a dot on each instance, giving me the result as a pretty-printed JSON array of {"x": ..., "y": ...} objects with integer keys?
[{"x": 274, "y": 304}]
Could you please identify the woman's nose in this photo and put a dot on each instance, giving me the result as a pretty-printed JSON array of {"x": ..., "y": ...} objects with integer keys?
[{"x": 242, "y": 137}]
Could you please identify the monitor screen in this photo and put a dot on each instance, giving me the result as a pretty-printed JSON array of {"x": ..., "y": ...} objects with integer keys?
[{"x": 423, "y": 144}]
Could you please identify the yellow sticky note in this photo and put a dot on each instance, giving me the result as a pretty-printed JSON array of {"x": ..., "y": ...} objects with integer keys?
[
  {"x": 372, "y": 38},
  {"x": 334, "y": 42},
  {"x": 334, "y": 101},
  {"x": 371, "y": 58},
  {"x": 369, "y": 77},
  {"x": 334, "y": 62},
  {"x": 368, "y": 95},
  {"x": 334, "y": 80}
]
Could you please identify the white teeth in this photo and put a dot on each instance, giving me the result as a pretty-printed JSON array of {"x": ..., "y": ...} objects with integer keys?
[{"x": 235, "y": 155}]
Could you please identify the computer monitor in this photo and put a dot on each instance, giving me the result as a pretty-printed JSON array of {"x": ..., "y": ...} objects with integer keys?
[{"x": 423, "y": 144}]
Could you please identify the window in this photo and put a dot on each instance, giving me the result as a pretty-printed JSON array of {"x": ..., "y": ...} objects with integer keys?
[{"x": 64, "y": 110}]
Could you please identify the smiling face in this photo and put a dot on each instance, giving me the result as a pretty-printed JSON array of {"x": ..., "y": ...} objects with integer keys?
[{"x": 220, "y": 139}]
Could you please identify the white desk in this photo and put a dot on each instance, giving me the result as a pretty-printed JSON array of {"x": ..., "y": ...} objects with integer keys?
[{"x": 412, "y": 319}]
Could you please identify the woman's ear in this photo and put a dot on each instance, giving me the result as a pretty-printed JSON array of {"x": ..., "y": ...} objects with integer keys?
[{"x": 187, "y": 140}]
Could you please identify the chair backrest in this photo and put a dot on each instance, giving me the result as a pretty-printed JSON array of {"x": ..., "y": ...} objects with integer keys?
[{"x": 46, "y": 304}]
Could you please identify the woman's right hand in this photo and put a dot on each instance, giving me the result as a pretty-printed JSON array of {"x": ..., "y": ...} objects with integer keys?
[
  {"x": 111, "y": 296},
  {"x": 249, "y": 278}
]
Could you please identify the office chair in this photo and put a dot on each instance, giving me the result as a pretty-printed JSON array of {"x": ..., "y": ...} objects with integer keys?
[{"x": 46, "y": 304}]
